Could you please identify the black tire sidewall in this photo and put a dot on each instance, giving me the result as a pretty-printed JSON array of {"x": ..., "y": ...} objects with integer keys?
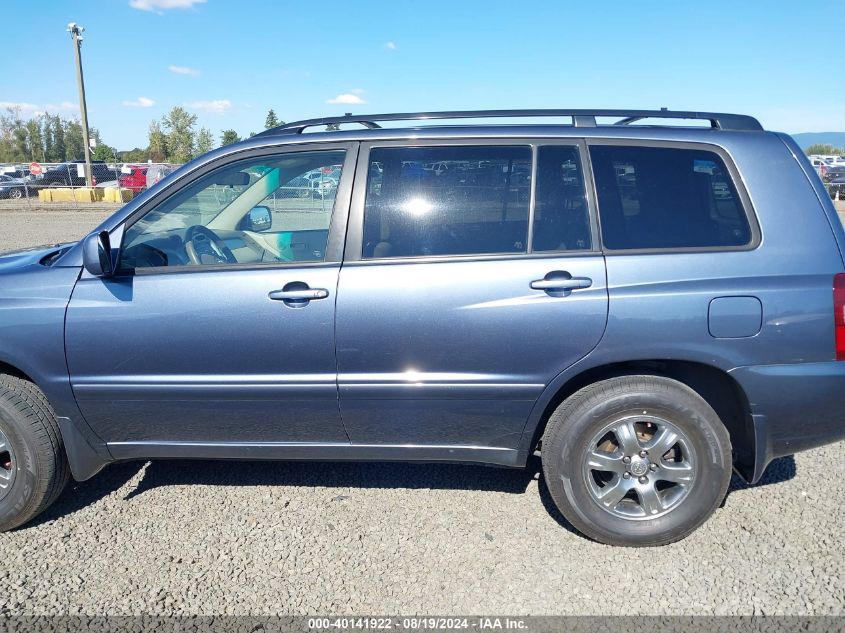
[
  {"x": 24, "y": 492},
  {"x": 565, "y": 478}
]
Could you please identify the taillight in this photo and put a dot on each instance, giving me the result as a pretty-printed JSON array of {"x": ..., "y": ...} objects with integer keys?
[{"x": 839, "y": 314}]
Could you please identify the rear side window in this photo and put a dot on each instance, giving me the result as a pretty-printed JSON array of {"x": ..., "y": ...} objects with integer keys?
[
  {"x": 426, "y": 201},
  {"x": 561, "y": 216},
  {"x": 656, "y": 197}
]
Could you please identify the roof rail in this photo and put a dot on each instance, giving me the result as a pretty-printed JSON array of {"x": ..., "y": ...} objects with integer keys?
[{"x": 580, "y": 118}]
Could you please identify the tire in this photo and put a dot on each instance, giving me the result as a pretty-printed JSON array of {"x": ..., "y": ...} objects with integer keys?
[
  {"x": 16, "y": 194},
  {"x": 33, "y": 456},
  {"x": 666, "y": 495}
]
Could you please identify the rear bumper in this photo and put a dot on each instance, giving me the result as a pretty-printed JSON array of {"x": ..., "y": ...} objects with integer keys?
[{"x": 793, "y": 408}]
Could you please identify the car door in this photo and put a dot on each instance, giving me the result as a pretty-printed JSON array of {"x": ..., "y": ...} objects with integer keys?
[
  {"x": 219, "y": 326},
  {"x": 465, "y": 289}
]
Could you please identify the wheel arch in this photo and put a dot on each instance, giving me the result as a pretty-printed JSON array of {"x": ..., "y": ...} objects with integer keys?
[
  {"x": 84, "y": 459},
  {"x": 716, "y": 386}
]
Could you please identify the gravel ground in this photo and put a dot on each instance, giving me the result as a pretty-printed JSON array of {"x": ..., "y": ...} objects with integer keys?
[{"x": 298, "y": 538}]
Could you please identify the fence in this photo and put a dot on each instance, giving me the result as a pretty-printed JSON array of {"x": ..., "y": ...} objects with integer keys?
[{"x": 66, "y": 182}]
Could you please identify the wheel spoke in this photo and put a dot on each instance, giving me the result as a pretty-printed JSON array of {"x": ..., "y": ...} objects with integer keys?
[
  {"x": 662, "y": 441},
  {"x": 606, "y": 462},
  {"x": 5, "y": 475},
  {"x": 627, "y": 437},
  {"x": 614, "y": 492},
  {"x": 650, "y": 499},
  {"x": 679, "y": 472}
]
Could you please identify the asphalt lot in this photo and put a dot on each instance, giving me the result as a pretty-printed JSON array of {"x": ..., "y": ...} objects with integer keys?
[{"x": 284, "y": 538}]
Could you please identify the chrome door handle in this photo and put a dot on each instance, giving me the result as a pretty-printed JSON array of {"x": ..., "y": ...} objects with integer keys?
[
  {"x": 307, "y": 294},
  {"x": 561, "y": 284}
]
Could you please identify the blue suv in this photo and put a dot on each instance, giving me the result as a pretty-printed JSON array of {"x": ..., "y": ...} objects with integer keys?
[{"x": 644, "y": 306}]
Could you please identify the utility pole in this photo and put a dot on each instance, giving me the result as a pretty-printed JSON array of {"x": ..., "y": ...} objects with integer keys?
[{"x": 76, "y": 34}]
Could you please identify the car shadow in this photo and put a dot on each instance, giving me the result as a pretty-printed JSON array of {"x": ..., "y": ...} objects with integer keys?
[
  {"x": 409, "y": 476},
  {"x": 81, "y": 494},
  {"x": 386, "y": 475}
]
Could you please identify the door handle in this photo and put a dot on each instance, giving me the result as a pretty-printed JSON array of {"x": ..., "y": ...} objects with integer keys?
[
  {"x": 560, "y": 281},
  {"x": 301, "y": 294}
]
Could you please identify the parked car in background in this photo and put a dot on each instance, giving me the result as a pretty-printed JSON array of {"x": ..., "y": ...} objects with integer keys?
[
  {"x": 18, "y": 173},
  {"x": 605, "y": 298},
  {"x": 14, "y": 188},
  {"x": 836, "y": 187},
  {"x": 68, "y": 174},
  {"x": 136, "y": 179},
  {"x": 820, "y": 165},
  {"x": 157, "y": 172},
  {"x": 832, "y": 172}
]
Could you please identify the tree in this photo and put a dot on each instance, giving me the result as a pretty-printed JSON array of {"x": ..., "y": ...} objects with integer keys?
[
  {"x": 59, "y": 147},
  {"x": 74, "y": 145},
  {"x": 47, "y": 133},
  {"x": 179, "y": 127},
  {"x": 824, "y": 149},
  {"x": 228, "y": 137},
  {"x": 157, "y": 149},
  {"x": 103, "y": 152},
  {"x": 272, "y": 120},
  {"x": 205, "y": 141},
  {"x": 34, "y": 140},
  {"x": 136, "y": 155}
]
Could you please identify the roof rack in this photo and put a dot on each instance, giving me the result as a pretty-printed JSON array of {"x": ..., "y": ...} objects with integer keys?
[{"x": 580, "y": 118}]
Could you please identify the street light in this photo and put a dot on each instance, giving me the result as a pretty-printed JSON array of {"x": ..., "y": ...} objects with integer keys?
[{"x": 76, "y": 34}]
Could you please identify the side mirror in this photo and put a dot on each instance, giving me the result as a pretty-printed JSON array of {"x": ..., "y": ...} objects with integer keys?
[
  {"x": 258, "y": 219},
  {"x": 96, "y": 254}
]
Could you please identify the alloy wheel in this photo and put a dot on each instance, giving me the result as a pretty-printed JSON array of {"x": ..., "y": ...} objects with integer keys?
[{"x": 639, "y": 467}]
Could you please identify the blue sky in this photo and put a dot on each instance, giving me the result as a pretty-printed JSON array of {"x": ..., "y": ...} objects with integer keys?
[{"x": 229, "y": 61}]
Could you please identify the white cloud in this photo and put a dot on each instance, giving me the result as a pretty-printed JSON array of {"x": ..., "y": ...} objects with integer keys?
[
  {"x": 348, "y": 98},
  {"x": 162, "y": 5},
  {"x": 140, "y": 102},
  {"x": 391, "y": 46},
  {"x": 19, "y": 105},
  {"x": 183, "y": 70},
  {"x": 217, "y": 106},
  {"x": 31, "y": 109}
]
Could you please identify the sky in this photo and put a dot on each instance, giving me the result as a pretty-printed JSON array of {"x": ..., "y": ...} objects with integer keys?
[{"x": 230, "y": 61}]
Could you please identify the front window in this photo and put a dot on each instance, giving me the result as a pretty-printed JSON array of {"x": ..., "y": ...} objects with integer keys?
[{"x": 261, "y": 210}]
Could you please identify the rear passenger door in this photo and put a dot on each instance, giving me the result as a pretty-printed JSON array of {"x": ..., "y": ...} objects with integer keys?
[{"x": 472, "y": 276}]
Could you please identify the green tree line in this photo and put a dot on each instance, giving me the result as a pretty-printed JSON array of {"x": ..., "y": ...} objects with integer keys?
[
  {"x": 824, "y": 149},
  {"x": 50, "y": 138},
  {"x": 43, "y": 138}
]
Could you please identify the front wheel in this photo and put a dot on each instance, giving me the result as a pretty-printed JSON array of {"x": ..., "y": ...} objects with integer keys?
[
  {"x": 33, "y": 466},
  {"x": 16, "y": 194},
  {"x": 636, "y": 460}
]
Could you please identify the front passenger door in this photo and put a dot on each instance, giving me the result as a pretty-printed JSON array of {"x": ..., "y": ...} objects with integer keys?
[{"x": 219, "y": 326}]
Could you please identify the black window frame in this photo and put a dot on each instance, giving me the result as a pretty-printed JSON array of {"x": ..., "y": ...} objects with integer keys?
[
  {"x": 353, "y": 252},
  {"x": 732, "y": 172}
]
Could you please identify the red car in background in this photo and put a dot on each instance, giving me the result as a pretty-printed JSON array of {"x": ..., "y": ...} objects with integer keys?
[{"x": 136, "y": 180}]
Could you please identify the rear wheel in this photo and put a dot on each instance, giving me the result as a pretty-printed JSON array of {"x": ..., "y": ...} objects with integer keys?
[
  {"x": 33, "y": 467},
  {"x": 16, "y": 194},
  {"x": 636, "y": 460}
]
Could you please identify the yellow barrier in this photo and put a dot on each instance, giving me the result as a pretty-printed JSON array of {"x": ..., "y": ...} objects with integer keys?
[
  {"x": 85, "y": 194},
  {"x": 114, "y": 194}
]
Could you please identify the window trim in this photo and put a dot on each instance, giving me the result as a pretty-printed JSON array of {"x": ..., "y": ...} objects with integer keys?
[
  {"x": 736, "y": 178},
  {"x": 353, "y": 253},
  {"x": 337, "y": 223}
]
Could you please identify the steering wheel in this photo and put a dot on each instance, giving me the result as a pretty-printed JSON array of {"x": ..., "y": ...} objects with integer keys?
[{"x": 204, "y": 246}]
